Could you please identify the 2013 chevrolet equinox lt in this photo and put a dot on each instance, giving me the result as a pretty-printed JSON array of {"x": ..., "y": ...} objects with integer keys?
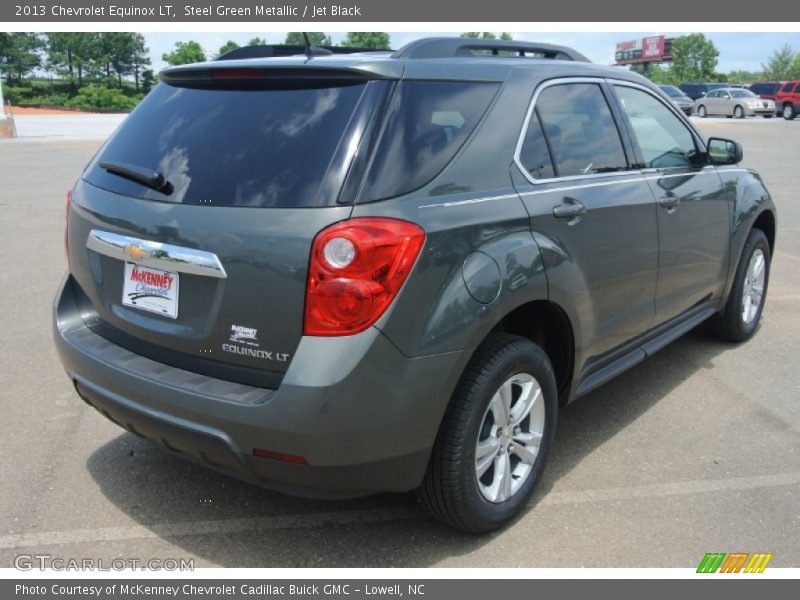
[{"x": 340, "y": 275}]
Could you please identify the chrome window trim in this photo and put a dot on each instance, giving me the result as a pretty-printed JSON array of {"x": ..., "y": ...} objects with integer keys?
[
  {"x": 168, "y": 258},
  {"x": 599, "y": 81},
  {"x": 638, "y": 176}
]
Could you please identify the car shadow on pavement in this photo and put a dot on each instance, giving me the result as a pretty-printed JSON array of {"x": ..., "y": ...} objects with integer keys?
[{"x": 223, "y": 521}]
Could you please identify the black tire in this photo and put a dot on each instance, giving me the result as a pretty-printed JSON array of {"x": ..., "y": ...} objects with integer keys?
[
  {"x": 738, "y": 112},
  {"x": 789, "y": 113},
  {"x": 728, "y": 324},
  {"x": 702, "y": 112},
  {"x": 450, "y": 489}
]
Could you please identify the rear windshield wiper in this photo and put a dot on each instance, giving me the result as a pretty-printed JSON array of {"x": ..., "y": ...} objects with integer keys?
[{"x": 152, "y": 179}]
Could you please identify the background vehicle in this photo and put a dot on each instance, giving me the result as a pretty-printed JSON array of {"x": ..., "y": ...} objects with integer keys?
[
  {"x": 345, "y": 275},
  {"x": 787, "y": 99},
  {"x": 734, "y": 102},
  {"x": 678, "y": 98},
  {"x": 767, "y": 90},
  {"x": 698, "y": 90}
]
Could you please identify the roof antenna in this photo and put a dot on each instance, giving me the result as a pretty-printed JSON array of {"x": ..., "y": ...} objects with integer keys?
[{"x": 312, "y": 51}]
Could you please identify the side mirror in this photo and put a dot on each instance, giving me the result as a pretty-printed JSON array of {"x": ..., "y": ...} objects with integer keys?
[{"x": 724, "y": 152}]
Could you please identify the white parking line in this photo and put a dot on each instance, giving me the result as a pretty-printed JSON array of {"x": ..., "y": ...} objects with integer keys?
[{"x": 314, "y": 520}]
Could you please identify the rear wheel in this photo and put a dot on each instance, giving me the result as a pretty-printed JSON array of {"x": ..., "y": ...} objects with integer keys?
[
  {"x": 495, "y": 438},
  {"x": 702, "y": 112},
  {"x": 738, "y": 112},
  {"x": 740, "y": 317},
  {"x": 789, "y": 112}
]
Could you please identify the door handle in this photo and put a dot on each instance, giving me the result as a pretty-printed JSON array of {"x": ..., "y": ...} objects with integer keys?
[
  {"x": 670, "y": 202},
  {"x": 570, "y": 209}
]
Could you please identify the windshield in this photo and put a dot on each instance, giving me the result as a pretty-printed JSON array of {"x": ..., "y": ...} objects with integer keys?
[
  {"x": 229, "y": 146},
  {"x": 742, "y": 94},
  {"x": 672, "y": 91}
]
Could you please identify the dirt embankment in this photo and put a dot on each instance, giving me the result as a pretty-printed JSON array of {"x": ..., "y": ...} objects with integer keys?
[{"x": 29, "y": 110}]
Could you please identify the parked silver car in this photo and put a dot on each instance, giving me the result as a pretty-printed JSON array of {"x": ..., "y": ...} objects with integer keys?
[{"x": 733, "y": 102}]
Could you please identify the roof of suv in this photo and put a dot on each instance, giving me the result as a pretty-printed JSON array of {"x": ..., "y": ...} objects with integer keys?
[{"x": 428, "y": 58}]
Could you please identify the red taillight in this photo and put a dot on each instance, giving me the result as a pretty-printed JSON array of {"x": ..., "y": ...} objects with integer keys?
[
  {"x": 357, "y": 267},
  {"x": 66, "y": 223}
]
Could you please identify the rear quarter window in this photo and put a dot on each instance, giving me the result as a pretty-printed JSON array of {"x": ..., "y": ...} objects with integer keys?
[
  {"x": 233, "y": 147},
  {"x": 428, "y": 122}
]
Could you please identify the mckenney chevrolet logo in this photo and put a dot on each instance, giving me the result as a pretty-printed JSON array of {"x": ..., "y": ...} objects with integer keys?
[{"x": 735, "y": 562}]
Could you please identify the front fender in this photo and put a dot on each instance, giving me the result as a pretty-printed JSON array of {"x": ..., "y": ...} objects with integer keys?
[{"x": 750, "y": 200}]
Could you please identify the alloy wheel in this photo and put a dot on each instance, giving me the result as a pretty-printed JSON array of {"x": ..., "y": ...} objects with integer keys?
[
  {"x": 509, "y": 437},
  {"x": 753, "y": 289}
]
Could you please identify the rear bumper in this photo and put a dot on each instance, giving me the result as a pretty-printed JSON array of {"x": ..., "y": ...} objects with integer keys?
[{"x": 361, "y": 414}]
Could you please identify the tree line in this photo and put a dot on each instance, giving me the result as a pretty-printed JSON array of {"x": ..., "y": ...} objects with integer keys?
[
  {"x": 695, "y": 58},
  {"x": 191, "y": 51},
  {"x": 77, "y": 58}
]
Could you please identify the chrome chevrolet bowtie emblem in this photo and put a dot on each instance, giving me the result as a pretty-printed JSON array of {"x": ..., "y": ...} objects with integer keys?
[{"x": 135, "y": 252}]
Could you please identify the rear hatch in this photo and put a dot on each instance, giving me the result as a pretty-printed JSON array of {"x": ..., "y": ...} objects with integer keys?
[{"x": 190, "y": 231}]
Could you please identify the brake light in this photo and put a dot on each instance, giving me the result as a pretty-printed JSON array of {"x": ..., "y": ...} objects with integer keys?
[
  {"x": 233, "y": 74},
  {"x": 356, "y": 269},
  {"x": 66, "y": 223}
]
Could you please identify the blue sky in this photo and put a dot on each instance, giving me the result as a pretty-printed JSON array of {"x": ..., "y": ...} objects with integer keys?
[{"x": 737, "y": 50}]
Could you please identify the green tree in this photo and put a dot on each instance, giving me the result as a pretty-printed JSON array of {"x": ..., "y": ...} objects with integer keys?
[
  {"x": 376, "y": 40},
  {"x": 780, "y": 64},
  {"x": 796, "y": 67},
  {"x": 316, "y": 39},
  {"x": 486, "y": 35},
  {"x": 227, "y": 47},
  {"x": 184, "y": 54},
  {"x": 694, "y": 58},
  {"x": 19, "y": 54},
  {"x": 71, "y": 54},
  {"x": 120, "y": 52},
  {"x": 742, "y": 76},
  {"x": 656, "y": 73},
  {"x": 148, "y": 80},
  {"x": 257, "y": 41},
  {"x": 140, "y": 57}
]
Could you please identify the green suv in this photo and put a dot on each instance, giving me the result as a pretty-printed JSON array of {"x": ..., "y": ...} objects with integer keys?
[{"x": 381, "y": 272}]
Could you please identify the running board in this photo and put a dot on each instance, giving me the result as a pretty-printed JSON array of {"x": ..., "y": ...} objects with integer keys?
[{"x": 638, "y": 354}]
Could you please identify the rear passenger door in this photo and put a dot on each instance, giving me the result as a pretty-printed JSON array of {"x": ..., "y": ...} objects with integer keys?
[
  {"x": 593, "y": 216},
  {"x": 693, "y": 211}
]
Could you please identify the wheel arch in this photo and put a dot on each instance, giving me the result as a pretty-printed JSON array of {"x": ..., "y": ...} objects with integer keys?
[
  {"x": 765, "y": 221},
  {"x": 548, "y": 325}
]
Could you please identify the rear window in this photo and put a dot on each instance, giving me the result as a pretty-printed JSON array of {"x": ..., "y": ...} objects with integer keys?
[
  {"x": 427, "y": 124},
  {"x": 671, "y": 91},
  {"x": 233, "y": 147},
  {"x": 764, "y": 88}
]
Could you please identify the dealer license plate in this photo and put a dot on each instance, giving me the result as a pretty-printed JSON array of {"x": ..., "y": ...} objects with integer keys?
[{"x": 151, "y": 290}]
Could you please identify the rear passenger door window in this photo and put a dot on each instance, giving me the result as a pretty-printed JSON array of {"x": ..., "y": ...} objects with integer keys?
[
  {"x": 579, "y": 129},
  {"x": 664, "y": 141}
]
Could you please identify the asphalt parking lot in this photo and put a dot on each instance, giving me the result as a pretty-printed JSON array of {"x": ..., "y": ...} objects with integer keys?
[{"x": 696, "y": 450}]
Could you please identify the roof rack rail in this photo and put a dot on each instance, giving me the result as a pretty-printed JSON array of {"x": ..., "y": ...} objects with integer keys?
[
  {"x": 270, "y": 50},
  {"x": 448, "y": 47}
]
